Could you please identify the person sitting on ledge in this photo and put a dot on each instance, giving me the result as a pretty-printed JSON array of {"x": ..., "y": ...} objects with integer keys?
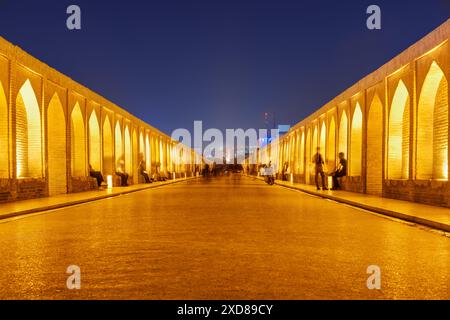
[
  {"x": 122, "y": 174},
  {"x": 341, "y": 171},
  {"x": 158, "y": 175},
  {"x": 144, "y": 173},
  {"x": 97, "y": 175}
]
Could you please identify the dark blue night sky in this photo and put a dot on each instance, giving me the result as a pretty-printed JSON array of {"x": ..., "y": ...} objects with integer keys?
[{"x": 223, "y": 62}]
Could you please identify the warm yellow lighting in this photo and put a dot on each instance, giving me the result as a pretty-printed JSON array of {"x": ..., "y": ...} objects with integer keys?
[
  {"x": 118, "y": 145},
  {"x": 398, "y": 143},
  {"x": 107, "y": 147},
  {"x": 109, "y": 181},
  {"x": 4, "y": 163},
  {"x": 78, "y": 143},
  {"x": 57, "y": 183},
  {"x": 343, "y": 127},
  {"x": 322, "y": 144},
  {"x": 28, "y": 133},
  {"x": 94, "y": 142},
  {"x": 331, "y": 152},
  {"x": 374, "y": 147},
  {"x": 432, "y": 126},
  {"x": 128, "y": 154},
  {"x": 356, "y": 142}
]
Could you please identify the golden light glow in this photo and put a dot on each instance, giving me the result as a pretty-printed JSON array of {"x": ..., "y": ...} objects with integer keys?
[
  {"x": 78, "y": 143},
  {"x": 331, "y": 152},
  {"x": 109, "y": 181},
  {"x": 432, "y": 126},
  {"x": 28, "y": 133},
  {"x": 128, "y": 152},
  {"x": 302, "y": 153},
  {"x": 356, "y": 142},
  {"x": 375, "y": 147},
  {"x": 398, "y": 142},
  {"x": 308, "y": 156},
  {"x": 343, "y": 134},
  {"x": 4, "y": 163},
  {"x": 56, "y": 147},
  {"x": 107, "y": 147},
  {"x": 118, "y": 145},
  {"x": 135, "y": 147},
  {"x": 323, "y": 139},
  {"x": 147, "y": 153},
  {"x": 94, "y": 142}
]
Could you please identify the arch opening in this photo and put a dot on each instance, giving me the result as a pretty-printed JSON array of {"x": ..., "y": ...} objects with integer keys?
[
  {"x": 78, "y": 143},
  {"x": 128, "y": 152},
  {"x": 107, "y": 147},
  {"x": 94, "y": 142},
  {"x": 356, "y": 142},
  {"x": 343, "y": 134},
  {"x": 375, "y": 147},
  {"x": 331, "y": 151},
  {"x": 57, "y": 166},
  {"x": 28, "y": 133},
  {"x": 118, "y": 146},
  {"x": 432, "y": 127},
  {"x": 398, "y": 136},
  {"x": 4, "y": 136}
]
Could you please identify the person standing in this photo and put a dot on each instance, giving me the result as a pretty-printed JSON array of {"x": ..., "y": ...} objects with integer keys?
[{"x": 319, "y": 162}]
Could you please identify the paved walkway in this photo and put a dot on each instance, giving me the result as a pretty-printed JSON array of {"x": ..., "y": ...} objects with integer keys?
[
  {"x": 430, "y": 216},
  {"x": 18, "y": 208},
  {"x": 224, "y": 238}
]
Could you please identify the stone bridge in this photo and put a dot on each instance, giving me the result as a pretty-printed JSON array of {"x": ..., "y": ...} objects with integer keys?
[
  {"x": 392, "y": 126},
  {"x": 51, "y": 128}
]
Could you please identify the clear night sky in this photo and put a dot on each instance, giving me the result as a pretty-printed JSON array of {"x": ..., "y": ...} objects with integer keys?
[{"x": 221, "y": 61}]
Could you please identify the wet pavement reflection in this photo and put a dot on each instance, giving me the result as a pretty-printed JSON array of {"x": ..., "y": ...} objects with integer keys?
[{"x": 225, "y": 238}]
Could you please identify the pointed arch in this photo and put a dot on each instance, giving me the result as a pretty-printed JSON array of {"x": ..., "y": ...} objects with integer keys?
[
  {"x": 128, "y": 151},
  {"x": 94, "y": 142},
  {"x": 302, "y": 153},
  {"x": 142, "y": 147},
  {"x": 57, "y": 166},
  {"x": 343, "y": 134},
  {"x": 322, "y": 140},
  {"x": 28, "y": 133},
  {"x": 4, "y": 136},
  {"x": 78, "y": 143},
  {"x": 107, "y": 147},
  {"x": 135, "y": 148},
  {"x": 331, "y": 150},
  {"x": 398, "y": 141},
  {"x": 432, "y": 126},
  {"x": 375, "y": 147},
  {"x": 118, "y": 145},
  {"x": 308, "y": 165},
  {"x": 314, "y": 140},
  {"x": 356, "y": 142},
  {"x": 148, "y": 155}
]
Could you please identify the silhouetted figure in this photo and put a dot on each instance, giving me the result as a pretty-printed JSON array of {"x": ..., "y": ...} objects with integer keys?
[
  {"x": 97, "y": 175},
  {"x": 143, "y": 172},
  {"x": 341, "y": 171},
  {"x": 122, "y": 174},
  {"x": 318, "y": 163}
]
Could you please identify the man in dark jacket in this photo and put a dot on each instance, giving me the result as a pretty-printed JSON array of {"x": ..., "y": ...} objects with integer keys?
[
  {"x": 318, "y": 162},
  {"x": 341, "y": 171}
]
